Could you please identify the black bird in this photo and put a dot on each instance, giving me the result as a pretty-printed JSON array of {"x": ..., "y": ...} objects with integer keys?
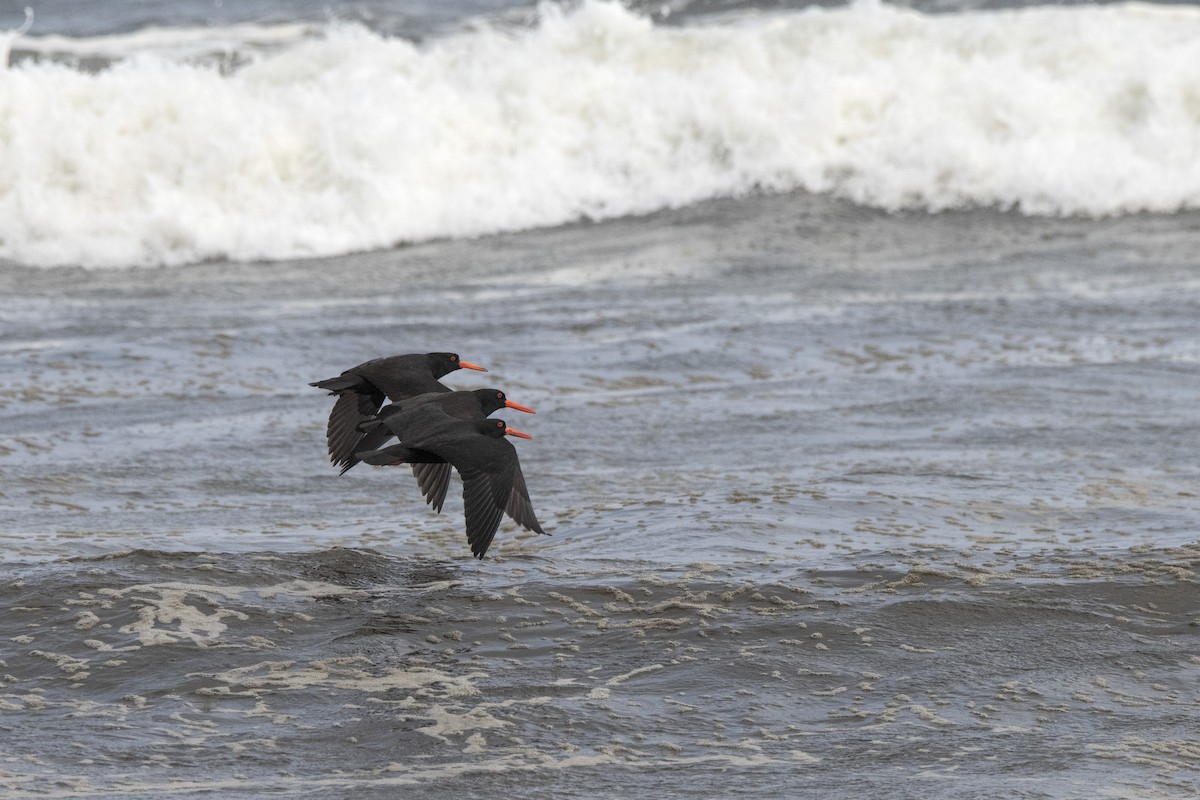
[
  {"x": 434, "y": 479},
  {"x": 361, "y": 391},
  {"x": 487, "y": 463}
]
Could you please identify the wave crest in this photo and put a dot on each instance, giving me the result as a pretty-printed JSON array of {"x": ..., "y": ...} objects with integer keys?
[{"x": 353, "y": 141}]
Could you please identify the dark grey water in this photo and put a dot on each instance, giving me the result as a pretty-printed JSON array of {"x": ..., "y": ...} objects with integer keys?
[
  {"x": 842, "y": 503},
  {"x": 413, "y": 19},
  {"x": 80, "y": 18},
  {"x": 352, "y": 673}
]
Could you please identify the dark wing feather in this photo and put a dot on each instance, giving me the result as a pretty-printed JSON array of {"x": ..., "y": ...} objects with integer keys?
[
  {"x": 434, "y": 480},
  {"x": 342, "y": 434},
  {"x": 480, "y": 505},
  {"x": 520, "y": 507}
]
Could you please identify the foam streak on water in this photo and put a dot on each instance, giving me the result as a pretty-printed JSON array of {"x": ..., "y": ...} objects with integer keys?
[
  {"x": 348, "y": 140},
  {"x": 351, "y": 673}
]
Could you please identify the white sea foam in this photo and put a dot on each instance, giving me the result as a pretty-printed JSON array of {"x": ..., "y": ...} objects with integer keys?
[{"x": 351, "y": 141}]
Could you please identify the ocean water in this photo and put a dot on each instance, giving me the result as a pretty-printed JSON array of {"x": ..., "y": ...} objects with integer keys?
[
  {"x": 281, "y": 140},
  {"x": 863, "y": 341}
]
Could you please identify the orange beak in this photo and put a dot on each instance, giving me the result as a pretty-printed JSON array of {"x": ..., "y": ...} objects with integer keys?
[
  {"x": 519, "y": 407},
  {"x": 469, "y": 365},
  {"x": 515, "y": 432}
]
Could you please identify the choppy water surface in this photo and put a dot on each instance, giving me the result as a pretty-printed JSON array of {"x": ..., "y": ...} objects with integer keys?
[
  {"x": 349, "y": 671},
  {"x": 842, "y": 503}
]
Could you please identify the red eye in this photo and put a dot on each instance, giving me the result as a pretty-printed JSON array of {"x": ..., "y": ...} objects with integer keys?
[{"x": 500, "y": 395}]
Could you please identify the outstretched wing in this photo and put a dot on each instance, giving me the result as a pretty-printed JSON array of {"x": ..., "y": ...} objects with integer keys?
[
  {"x": 520, "y": 507},
  {"x": 485, "y": 495},
  {"x": 434, "y": 480},
  {"x": 342, "y": 434}
]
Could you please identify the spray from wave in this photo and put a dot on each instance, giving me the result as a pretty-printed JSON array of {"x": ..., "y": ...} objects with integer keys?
[{"x": 348, "y": 140}]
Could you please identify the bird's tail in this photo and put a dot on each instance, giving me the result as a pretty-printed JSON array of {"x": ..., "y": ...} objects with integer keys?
[
  {"x": 339, "y": 384},
  {"x": 387, "y": 457},
  {"x": 375, "y": 437}
]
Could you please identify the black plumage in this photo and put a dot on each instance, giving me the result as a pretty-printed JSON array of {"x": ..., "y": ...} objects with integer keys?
[
  {"x": 434, "y": 479},
  {"x": 493, "y": 484},
  {"x": 361, "y": 390}
]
